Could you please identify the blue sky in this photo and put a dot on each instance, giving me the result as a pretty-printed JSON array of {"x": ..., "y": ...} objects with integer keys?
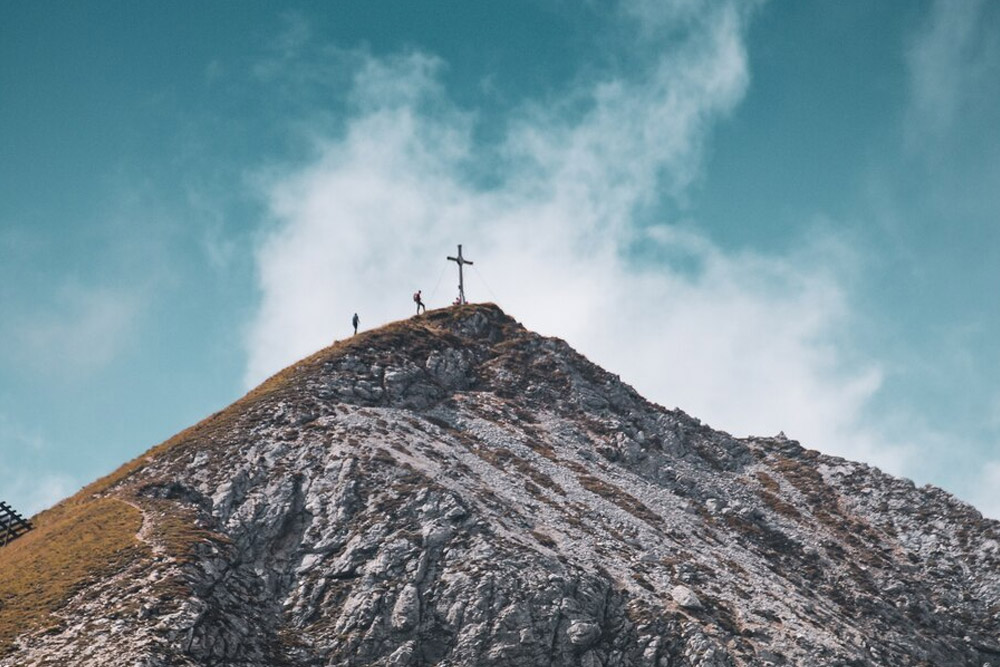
[{"x": 774, "y": 215}]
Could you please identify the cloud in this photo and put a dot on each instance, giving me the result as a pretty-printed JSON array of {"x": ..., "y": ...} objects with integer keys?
[
  {"x": 85, "y": 329},
  {"x": 31, "y": 491},
  {"x": 950, "y": 119},
  {"x": 744, "y": 340},
  {"x": 985, "y": 492},
  {"x": 986, "y": 495},
  {"x": 18, "y": 438},
  {"x": 954, "y": 62},
  {"x": 28, "y": 486}
]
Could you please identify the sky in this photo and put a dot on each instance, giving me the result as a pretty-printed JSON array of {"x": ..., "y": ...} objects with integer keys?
[{"x": 776, "y": 216}]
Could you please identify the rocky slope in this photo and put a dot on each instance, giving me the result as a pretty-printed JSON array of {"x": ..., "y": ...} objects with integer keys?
[{"x": 456, "y": 490}]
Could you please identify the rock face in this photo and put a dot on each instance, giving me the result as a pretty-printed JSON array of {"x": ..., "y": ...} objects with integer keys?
[
  {"x": 455, "y": 490},
  {"x": 685, "y": 597}
]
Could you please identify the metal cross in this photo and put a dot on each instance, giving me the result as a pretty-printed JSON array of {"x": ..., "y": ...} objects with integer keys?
[{"x": 461, "y": 283}]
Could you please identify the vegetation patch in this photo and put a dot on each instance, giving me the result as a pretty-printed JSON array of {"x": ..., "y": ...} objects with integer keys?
[
  {"x": 767, "y": 481},
  {"x": 597, "y": 426},
  {"x": 525, "y": 416},
  {"x": 642, "y": 581},
  {"x": 626, "y": 501},
  {"x": 723, "y": 614},
  {"x": 709, "y": 457},
  {"x": 770, "y": 540},
  {"x": 503, "y": 458},
  {"x": 73, "y": 546},
  {"x": 175, "y": 528},
  {"x": 539, "y": 446},
  {"x": 804, "y": 477},
  {"x": 779, "y": 506},
  {"x": 419, "y": 336},
  {"x": 574, "y": 513},
  {"x": 440, "y": 423},
  {"x": 543, "y": 539},
  {"x": 868, "y": 545},
  {"x": 381, "y": 455}
]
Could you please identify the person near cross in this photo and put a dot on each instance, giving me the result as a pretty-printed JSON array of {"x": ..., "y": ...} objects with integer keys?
[
  {"x": 354, "y": 321},
  {"x": 418, "y": 300},
  {"x": 461, "y": 261}
]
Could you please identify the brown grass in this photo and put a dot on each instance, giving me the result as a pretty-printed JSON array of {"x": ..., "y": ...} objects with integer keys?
[
  {"x": 87, "y": 538},
  {"x": 544, "y": 539},
  {"x": 71, "y": 548},
  {"x": 414, "y": 334},
  {"x": 767, "y": 481},
  {"x": 624, "y": 500},
  {"x": 174, "y": 527},
  {"x": 503, "y": 459},
  {"x": 783, "y": 508}
]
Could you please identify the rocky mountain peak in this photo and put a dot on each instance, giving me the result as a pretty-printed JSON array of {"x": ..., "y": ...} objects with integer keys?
[{"x": 453, "y": 489}]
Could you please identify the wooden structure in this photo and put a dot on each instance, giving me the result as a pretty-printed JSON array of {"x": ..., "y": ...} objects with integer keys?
[{"x": 12, "y": 524}]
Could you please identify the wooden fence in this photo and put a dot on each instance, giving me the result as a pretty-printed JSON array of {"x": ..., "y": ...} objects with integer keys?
[{"x": 12, "y": 524}]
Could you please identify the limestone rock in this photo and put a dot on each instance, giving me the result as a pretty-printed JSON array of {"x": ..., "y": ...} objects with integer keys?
[
  {"x": 685, "y": 597},
  {"x": 454, "y": 490},
  {"x": 583, "y": 633},
  {"x": 406, "y": 611}
]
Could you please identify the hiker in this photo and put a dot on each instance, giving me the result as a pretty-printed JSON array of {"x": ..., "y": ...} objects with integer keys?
[
  {"x": 419, "y": 302},
  {"x": 354, "y": 321}
]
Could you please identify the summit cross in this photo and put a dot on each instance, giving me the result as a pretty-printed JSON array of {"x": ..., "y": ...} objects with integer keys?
[{"x": 461, "y": 283}]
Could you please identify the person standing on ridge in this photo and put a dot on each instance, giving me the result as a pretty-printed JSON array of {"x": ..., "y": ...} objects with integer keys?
[
  {"x": 354, "y": 321},
  {"x": 417, "y": 300}
]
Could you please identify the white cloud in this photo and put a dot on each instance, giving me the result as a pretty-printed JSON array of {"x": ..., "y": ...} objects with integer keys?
[
  {"x": 953, "y": 63},
  {"x": 16, "y": 438},
  {"x": 745, "y": 341},
  {"x": 28, "y": 487},
  {"x": 31, "y": 491},
  {"x": 82, "y": 331},
  {"x": 986, "y": 495}
]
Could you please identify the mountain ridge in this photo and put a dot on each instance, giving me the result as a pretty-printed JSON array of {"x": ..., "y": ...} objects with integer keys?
[{"x": 453, "y": 489}]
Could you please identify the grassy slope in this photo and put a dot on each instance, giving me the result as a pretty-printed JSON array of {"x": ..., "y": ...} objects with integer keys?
[
  {"x": 71, "y": 546},
  {"x": 91, "y": 536},
  {"x": 221, "y": 421}
]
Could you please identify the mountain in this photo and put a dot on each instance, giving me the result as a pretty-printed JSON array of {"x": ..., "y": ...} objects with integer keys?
[{"x": 456, "y": 490}]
